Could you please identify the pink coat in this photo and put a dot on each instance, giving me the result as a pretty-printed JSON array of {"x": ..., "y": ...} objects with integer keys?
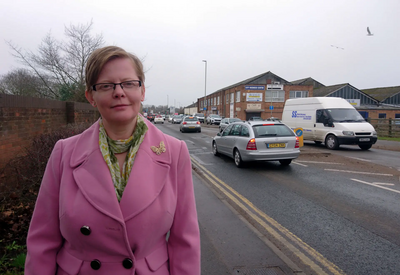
[{"x": 78, "y": 224}]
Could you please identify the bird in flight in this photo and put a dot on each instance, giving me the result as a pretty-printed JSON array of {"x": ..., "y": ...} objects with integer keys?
[
  {"x": 369, "y": 32},
  {"x": 337, "y": 47}
]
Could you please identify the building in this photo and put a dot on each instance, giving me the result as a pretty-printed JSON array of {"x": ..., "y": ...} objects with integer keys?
[{"x": 263, "y": 95}]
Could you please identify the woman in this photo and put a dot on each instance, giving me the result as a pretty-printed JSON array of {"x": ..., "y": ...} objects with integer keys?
[{"x": 118, "y": 198}]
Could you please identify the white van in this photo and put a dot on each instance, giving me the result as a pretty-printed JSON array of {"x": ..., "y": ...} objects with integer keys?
[{"x": 330, "y": 120}]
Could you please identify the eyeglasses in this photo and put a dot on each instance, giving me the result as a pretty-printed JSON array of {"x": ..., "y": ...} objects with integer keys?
[{"x": 126, "y": 86}]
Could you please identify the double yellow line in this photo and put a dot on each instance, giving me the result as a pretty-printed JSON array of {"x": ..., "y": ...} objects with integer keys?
[{"x": 310, "y": 257}]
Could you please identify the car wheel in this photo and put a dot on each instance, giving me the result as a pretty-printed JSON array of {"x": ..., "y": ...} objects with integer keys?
[
  {"x": 365, "y": 146},
  {"x": 238, "y": 158},
  {"x": 200, "y": 131},
  {"x": 285, "y": 162},
  {"x": 215, "y": 149},
  {"x": 331, "y": 142}
]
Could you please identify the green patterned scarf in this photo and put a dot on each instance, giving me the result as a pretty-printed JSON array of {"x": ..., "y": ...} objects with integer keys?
[{"x": 111, "y": 147}]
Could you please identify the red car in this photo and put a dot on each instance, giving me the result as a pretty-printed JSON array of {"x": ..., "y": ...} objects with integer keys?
[{"x": 150, "y": 117}]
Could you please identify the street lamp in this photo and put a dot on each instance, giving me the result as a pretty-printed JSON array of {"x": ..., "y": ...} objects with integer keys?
[{"x": 205, "y": 80}]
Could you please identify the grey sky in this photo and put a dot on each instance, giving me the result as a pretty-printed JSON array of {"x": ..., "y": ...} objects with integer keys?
[{"x": 239, "y": 39}]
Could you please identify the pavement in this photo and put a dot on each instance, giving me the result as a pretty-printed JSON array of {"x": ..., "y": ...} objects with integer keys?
[{"x": 229, "y": 244}]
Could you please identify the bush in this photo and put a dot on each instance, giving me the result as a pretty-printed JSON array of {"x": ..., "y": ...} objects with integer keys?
[{"x": 19, "y": 185}]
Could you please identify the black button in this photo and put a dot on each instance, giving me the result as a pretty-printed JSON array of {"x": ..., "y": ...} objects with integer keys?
[
  {"x": 95, "y": 264},
  {"x": 127, "y": 263},
  {"x": 85, "y": 230}
]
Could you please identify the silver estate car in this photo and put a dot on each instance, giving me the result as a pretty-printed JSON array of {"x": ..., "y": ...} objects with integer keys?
[
  {"x": 190, "y": 123},
  {"x": 226, "y": 121},
  {"x": 257, "y": 141}
]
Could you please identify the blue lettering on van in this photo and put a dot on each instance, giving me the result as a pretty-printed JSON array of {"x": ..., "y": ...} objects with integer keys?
[{"x": 295, "y": 114}]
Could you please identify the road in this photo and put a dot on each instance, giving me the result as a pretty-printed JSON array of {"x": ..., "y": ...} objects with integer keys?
[{"x": 329, "y": 212}]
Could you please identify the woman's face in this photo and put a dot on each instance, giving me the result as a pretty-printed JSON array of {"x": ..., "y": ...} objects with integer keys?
[{"x": 117, "y": 107}]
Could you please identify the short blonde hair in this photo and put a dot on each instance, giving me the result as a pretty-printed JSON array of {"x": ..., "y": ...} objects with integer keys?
[{"x": 100, "y": 57}]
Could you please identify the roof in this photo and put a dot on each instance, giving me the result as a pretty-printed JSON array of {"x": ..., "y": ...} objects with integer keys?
[
  {"x": 324, "y": 91},
  {"x": 192, "y": 105},
  {"x": 307, "y": 81},
  {"x": 254, "y": 78},
  {"x": 382, "y": 93}
]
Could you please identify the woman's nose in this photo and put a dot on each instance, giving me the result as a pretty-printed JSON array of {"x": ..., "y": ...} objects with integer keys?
[{"x": 118, "y": 91}]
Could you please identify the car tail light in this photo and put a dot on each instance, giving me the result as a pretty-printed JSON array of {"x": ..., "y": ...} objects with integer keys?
[
  {"x": 297, "y": 145},
  {"x": 184, "y": 122},
  {"x": 198, "y": 122},
  {"x": 251, "y": 145}
]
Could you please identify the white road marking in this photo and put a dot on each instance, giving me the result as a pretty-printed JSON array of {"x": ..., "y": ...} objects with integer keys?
[
  {"x": 360, "y": 159},
  {"x": 358, "y": 172},
  {"x": 320, "y": 162},
  {"x": 382, "y": 183},
  {"x": 295, "y": 162},
  {"x": 396, "y": 191}
]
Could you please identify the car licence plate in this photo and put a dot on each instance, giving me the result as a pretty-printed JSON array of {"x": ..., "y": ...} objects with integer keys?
[
  {"x": 276, "y": 145},
  {"x": 192, "y": 127},
  {"x": 364, "y": 139}
]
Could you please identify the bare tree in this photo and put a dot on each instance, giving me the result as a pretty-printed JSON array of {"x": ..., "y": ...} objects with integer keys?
[
  {"x": 22, "y": 82},
  {"x": 60, "y": 65}
]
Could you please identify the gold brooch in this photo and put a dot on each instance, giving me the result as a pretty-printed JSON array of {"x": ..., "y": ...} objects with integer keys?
[{"x": 160, "y": 149}]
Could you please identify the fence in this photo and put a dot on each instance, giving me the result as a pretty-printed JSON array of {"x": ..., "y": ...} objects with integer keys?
[{"x": 386, "y": 127}]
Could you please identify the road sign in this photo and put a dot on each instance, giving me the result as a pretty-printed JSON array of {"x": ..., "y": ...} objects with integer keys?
[
  {"x": 271, "y": 107},
  {"x": 299, "y": 133}
]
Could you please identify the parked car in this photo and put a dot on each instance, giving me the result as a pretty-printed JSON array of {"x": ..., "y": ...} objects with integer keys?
[
  {"x": 255, "y": 118},
  {"x": 213, "y": 119},
  {"x": 150, "y": 117},
  {"x": 177, "y": 119},
  {"x": 190, "y": 123},
  {"x": 257, "y": 141},
  {"x": 226, "y": 121},
  {"x": 158, "y": 119},
  {"x": 200, "y": 116}
]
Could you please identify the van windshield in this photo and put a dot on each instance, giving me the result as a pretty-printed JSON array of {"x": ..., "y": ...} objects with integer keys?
[{"x": 345, "y": 115}]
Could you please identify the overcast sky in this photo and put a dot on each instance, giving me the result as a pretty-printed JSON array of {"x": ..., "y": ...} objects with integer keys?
[{"x": 239, "y": 39}]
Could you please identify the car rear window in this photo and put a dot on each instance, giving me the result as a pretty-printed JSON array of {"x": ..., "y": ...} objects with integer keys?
[
  {"x": 272, "y": 130},
  {"x": 191, "y": 119}
]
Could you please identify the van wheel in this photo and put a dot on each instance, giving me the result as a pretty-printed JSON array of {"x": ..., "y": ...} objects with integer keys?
[
  {"x": 285, "y": 162},
  {"x": 331, "y": 142},
  {"x": 237, "y": 158},
  {"x": 365, "y": 146}
]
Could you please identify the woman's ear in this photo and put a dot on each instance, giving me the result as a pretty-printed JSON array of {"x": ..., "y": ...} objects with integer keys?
[{"x": 89, "y": 97}]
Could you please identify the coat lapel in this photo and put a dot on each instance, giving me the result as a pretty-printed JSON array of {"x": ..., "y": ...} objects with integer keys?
[
  {"x": 148, "y": 176},
  {"x": 92, "y": 174}
]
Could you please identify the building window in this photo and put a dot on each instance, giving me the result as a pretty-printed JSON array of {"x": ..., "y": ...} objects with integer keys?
[
  {"x": 397, "y": 116},
  {"x": 227, "y": 98},
  {"x": 237, "y": 96},
  {"x": 294, "y": 94},
  {"x": 205, "y": 103},
  {"x": 201, "y": 104},
  {"x": 382, "y": 115},
  {"x": 218, "y": 100},
  {"x": 215, "y": 101},
  {"x": 232, "y": 97},
  {"x": 274, "y": 96}
]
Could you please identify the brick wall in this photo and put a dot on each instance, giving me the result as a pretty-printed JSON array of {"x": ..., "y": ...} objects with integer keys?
[{"x": 22, "y": 118}]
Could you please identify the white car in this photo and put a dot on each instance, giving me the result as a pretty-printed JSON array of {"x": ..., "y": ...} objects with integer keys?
[{"x": 158, "y": 119}]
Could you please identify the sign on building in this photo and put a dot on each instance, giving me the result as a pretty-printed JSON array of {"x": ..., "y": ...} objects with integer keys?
[
  {"x": 254, "y": 87},
  {"x": 254, "y": 97}
]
